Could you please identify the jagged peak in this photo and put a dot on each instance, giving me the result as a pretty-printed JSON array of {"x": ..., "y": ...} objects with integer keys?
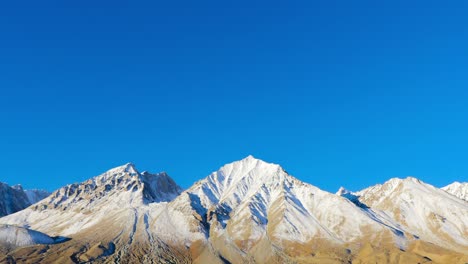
[
  {"x": 129, "y": 173},
  {"x": 125, "y": 170},
  {"x": 255, "y": 169},
  {"x": 128, "y": 168},
  {"x": 122, "y": 181},
  {"x": 243, "y": 178},
  {"x": 341, "y": 191}
]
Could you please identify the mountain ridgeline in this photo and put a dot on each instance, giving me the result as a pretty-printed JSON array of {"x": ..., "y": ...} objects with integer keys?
[{"x": 248, "y": 211}]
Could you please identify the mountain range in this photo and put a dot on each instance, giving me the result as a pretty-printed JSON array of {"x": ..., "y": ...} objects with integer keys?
[{"x": 248, "y": 211}]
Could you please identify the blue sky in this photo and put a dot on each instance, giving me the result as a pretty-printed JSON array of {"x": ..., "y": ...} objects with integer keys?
[{"x": 338, "y": 93}]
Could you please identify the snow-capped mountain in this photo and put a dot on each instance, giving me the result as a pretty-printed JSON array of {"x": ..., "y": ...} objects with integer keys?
[
  {"x": 423, "y": 210},
  {"x": 247, "y": 211},
  {"x": 15, "y": 198},
  {"x": 123, "y": 183},
  {"x": 117, "y": 191},
  {"x": 251, "y": 204},
  {"x": 458, "y": 189},
  {"x": 110, "y": 212}
]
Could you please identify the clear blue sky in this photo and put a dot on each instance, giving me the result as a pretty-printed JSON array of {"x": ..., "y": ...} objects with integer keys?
[{"x": 337, "y": 92}]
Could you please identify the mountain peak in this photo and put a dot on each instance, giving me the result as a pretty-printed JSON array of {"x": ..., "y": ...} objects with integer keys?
[
  {"x": 408, "y": 180},
  {"x": 341, "y": 191},
  {"x": 252, "y": 162},
  {"x": 458, "y": 189},
  {"x": 250, "y": 157},
  {"x": 128, "y": 168},
  {"x": 122, "y": 183},
  {"x": 413, "y": 179},
  {"x": 249, "y": 160},
  {"x": 240, "y": 180},
  {"x": 255, "y": 169}
]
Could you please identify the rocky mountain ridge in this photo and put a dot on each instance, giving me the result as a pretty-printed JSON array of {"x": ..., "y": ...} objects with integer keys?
[{"x": 247, "y": 211}]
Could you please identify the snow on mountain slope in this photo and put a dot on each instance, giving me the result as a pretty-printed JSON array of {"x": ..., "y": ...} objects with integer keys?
[
  {"x": 14, "y": 236},
  {"x": 458, "y": 189},
  {"x": 118, "y": 192},
  {"x": 429, "y": 213},
  {"x": 248, "y": 201}
]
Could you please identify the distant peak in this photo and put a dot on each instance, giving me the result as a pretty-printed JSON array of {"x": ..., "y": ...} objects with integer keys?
[
  {"x": 18, "y": 187},
  {"x": 342, "y": 191}
]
